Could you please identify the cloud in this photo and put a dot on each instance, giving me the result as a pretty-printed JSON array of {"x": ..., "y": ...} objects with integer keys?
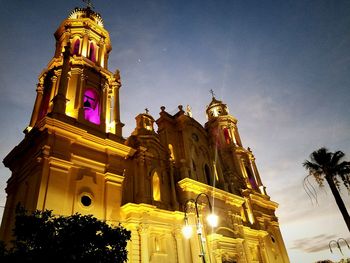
[{"x": 313, "y": 244}]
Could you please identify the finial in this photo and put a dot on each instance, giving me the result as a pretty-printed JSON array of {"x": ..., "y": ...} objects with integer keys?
[
  {"x": 117, "y": 75},
  {"x": 212, "y": 93},
  {"x": 180, "y": 107},
  {"x": 162, "y": 108},
  {"x": 89, "y": 4},
  {"x": 146, "y": 110}
]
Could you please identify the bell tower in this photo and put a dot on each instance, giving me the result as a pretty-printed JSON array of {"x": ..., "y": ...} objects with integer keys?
[
  {"x": 72, "y": 158},
  {"x": 238, "y": 163},
  {"x": 77, "y": 85}
]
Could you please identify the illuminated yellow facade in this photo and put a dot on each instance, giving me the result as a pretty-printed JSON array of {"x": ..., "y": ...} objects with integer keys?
[{"x": 74, "y": 159}]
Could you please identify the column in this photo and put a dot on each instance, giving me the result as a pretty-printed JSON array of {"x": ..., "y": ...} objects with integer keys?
[
  {"x": 85, "y": 43},
  {"x": 59, "y": 101},
  {"x": 108, "y": 108},
  {"x": 143, "y": 232},
  {"x": 53, "y": 90},
  {"x": 103, "y": 108},
  {"x": 257, "y": 176},
  {"x": 112, "y": 195},
  {"x": 140, "y": 180},
  {"x": 116, "y": 113},
  {"x": 78, "y": 91},
  {"x": 244, "y": 172},
  {"x": 242, "y": 250},
  {"x": 174, "y": 202},
  {"x": 38, "y": 100},
  {"x": 180, "y": 249},
  {"x": 263, "y": 253},
  {"x": 101, "y": 52},
  {"x": 80, "y": 105}
]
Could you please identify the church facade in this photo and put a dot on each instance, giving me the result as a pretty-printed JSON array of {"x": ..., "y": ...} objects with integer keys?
[{"x": 157, "y": 183}]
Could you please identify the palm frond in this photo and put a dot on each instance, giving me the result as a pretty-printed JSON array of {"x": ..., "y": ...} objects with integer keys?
[
  {"x": 321, "y": 156},
  {"x": 311, "y": 166},
  {"x": 337, "y": 156},
  {"x": 310, "y": 189}
]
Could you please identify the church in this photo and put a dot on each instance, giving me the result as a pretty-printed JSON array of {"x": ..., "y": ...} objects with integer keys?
[{"x": 162, "y": 182}]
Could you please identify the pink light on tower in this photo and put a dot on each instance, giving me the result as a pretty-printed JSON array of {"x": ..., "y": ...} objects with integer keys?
[{"x": 91, "y": 106}]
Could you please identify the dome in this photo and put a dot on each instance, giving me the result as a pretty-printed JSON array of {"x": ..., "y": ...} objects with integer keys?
[
  {"x": 86, "y": 13},
  {"x": 215, "y": 102},
  {"x": 216, "y": 108}
]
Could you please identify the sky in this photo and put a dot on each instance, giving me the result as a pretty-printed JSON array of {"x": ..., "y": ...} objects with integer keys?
[{"x": 282, "y": 67}]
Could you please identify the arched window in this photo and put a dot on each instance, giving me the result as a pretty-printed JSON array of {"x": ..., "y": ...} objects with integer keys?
[
  {"x": 91, "y": 106},
  {"x": 92, "y": 53},
  {"x": 171, "y": 149},
  {"x": 45, "y": 102},
  {"x": 251, "y": 178},
  {"x": 148, "y": 124},
  {"x": 156, "y": 186},
  {"x": 76, "y": 47},
  {"x": 227, "y": 136},
  {"x": 194, "y": 165},
  {"x": 207, "y": 174}
]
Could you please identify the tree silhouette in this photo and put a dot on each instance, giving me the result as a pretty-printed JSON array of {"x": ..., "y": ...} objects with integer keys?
[
  {"x": 325, "y": 165},
  {"x": 42, "y": 237}
]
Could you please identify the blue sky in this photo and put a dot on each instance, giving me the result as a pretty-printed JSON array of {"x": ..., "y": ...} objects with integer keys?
[{"x": 282, "y": 67}]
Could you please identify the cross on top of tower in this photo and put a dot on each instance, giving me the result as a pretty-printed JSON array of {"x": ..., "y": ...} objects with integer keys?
[
  {"x": 212, "y": 93},
  {"x": 89, "y": 4}
]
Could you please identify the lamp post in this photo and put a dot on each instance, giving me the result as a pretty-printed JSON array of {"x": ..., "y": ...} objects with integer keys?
[
  {"x": 337, "y": 242},
  {"x": 212, "y": 221}
]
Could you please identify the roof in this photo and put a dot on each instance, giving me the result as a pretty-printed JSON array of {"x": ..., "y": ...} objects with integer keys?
[{"x": 86, "y": 12}]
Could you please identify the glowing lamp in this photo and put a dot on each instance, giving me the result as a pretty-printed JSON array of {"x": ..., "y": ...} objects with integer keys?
[
  {"x": 213, "y": 220},
  {"x": 187, "y": 231}
]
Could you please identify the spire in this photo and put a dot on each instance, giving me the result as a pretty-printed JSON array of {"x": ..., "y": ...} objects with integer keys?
[
  {"x": 89, "y": 4},
  {"x": 212, "y": 93}
]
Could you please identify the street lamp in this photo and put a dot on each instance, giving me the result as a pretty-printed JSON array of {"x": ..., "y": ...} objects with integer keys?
[
  {"x": 337, "y": 242},
  {"x": 212, "y": 220}
]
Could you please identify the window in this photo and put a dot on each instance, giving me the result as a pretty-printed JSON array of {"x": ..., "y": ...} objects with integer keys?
[
  {"x": 195, "y": 137},
  {"x": 92, "y": 53},
  {"x": 156, "y": 186},
  {"x": 273, "y": 239},
  {"x": 251, "y": 178},
  {"x": 207, "y": 174},
  {"x": 85, "y": 200},
  {"x": 171, "y": 149},
  {"x": 227, "y": 136},
  {"x": 76, "y": 47},
  {"x": 194, "y": 166},
  {"x": 148, "y": 124},
  {"x": 91, "y": 106},
  {"x": 45, "y": 102}
]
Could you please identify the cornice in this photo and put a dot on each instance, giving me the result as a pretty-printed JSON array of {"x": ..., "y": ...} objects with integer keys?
[
  {"x": 81, "y": 136},
  {"x": 190, "y": 185},
  {"x": 263, "y": 202}
]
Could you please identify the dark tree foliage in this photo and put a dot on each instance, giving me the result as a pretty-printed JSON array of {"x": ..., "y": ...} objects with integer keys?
[
  {"x": 43, "y": 237},
  {"x": 329, "y": 166}
]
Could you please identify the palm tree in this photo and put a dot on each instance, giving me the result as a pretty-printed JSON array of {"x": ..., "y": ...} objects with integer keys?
[{"x": 325, "y": 165}]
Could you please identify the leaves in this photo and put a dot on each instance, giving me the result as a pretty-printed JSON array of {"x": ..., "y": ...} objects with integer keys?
[
  {"x": 41, "y": 236},
  {"x": 327, "y": 164}
]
